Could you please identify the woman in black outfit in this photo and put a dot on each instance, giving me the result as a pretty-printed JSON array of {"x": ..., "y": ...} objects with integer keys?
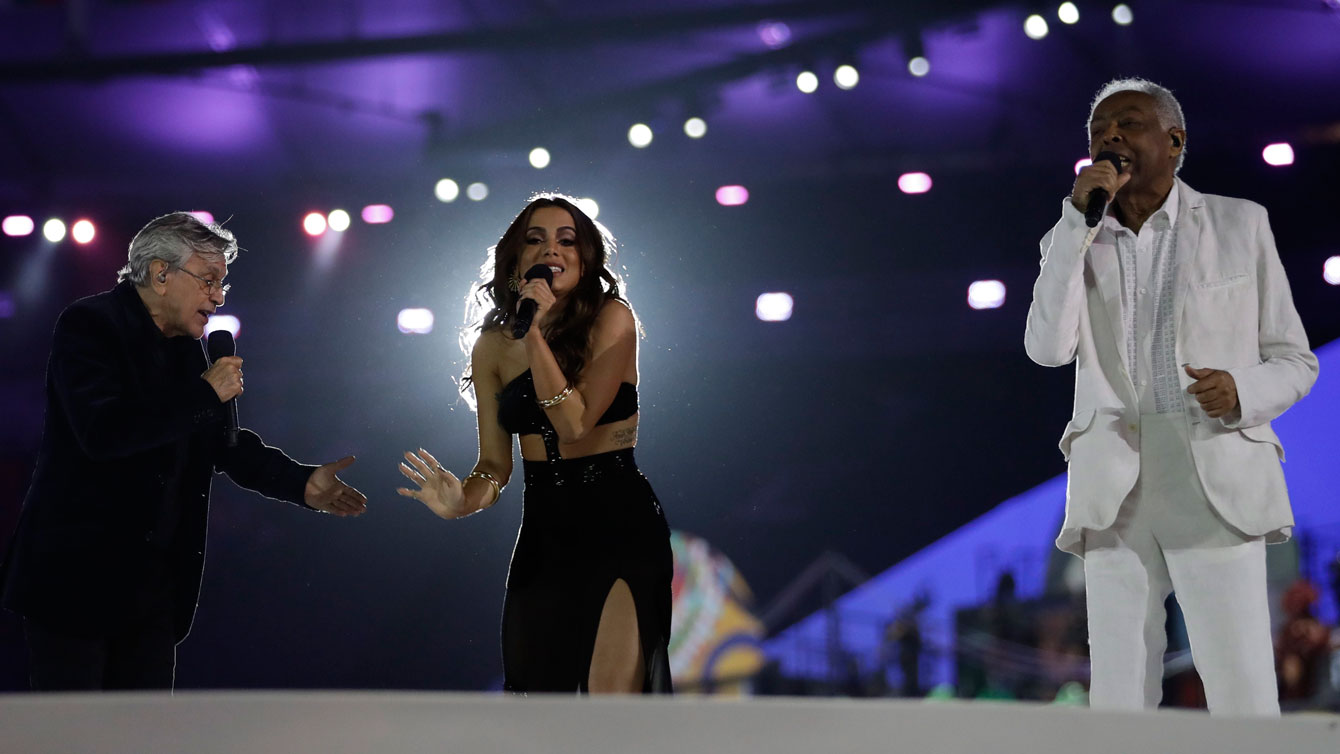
[{"x": 588, "y": 592}]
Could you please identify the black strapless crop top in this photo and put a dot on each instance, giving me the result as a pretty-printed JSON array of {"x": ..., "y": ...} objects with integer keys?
[{"x": 520, "y": 414}]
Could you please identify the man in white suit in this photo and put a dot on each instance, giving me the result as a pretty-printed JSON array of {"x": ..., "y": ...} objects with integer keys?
[{"x": 1178, "y": 312}]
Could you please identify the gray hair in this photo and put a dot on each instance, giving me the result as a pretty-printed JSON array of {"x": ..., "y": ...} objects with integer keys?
[
  {"x": 1166, "y": 106},
  {"x": 174, "y": 238}
]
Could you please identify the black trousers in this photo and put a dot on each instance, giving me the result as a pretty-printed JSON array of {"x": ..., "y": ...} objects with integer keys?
[{"x": 138, "y": 651}]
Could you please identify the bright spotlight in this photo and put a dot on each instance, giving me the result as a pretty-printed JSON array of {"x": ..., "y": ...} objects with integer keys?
[
  {"x": 695, "y": 128},
  {"x": 588, "y": 205},
  {"x": 774, "y": 307},
  {"x": 223, "y": 322},
  {"x": 914, "y": 183},
  {"x": 774, "y": 34},
  {"x": 415, "y": 321},
  {"x": 477, "y": 192},
  {"x": 1122, "y": 15},
  {"x": 846, "y": 76},
  {"x": 314, "y": 223},
  {"x": 919, "y": 66},
  {"x": 1068, "y": 13},
  {"x": 446, "y": 190},
  {"x": 807, "y": 82},
  {"x": 338, "y": 220},
  {"x": 1081, "y": 164},
  {"x": 1331, "y": 270},
  {"x": 539, "y": 158},
  {"x": 82, "y": 231},
  {"x": 54, "y": 230},
  {"x": 18, "y": 225},
  {"x": 986, "y": 294},
  {"x": 202, "y": 216},
  {"x": 1278, "y": 154},
  {"x": 1035, "y": 26},
  {"x": 639, "y": 135},
  {"x": 377, "y": 214},
  {"x": 732, "y": 196}
]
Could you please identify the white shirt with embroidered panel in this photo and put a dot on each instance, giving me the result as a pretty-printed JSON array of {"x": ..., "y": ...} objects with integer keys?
[{"x": 1149, "y": 276}]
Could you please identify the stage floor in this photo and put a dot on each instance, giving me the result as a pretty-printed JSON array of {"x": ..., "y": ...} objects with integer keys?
[{"x": 389, "y": 722}]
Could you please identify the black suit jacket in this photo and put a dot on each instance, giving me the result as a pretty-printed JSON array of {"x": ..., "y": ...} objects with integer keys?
[{"x": 132, "y": 438}]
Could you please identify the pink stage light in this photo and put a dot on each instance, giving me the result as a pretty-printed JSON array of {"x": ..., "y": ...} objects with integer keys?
[
  {"x": 83, "y": 232},
  {"x": 202, "y": 216},
  {"x": 1278, "y": 155},
  {"x": 415, "y": 321},
  {"x": 376, "y": 214},
  {"x": 314, "y": 223},
  {"x": 18, "y": 225},
  {"x": 1081, "y": 164},
  {"x": 732, "y": 196},
  {"x": 914, "y": 183}
]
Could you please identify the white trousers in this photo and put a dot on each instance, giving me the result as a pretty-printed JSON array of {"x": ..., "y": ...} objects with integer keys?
[{"x": 1168, "y": 538}]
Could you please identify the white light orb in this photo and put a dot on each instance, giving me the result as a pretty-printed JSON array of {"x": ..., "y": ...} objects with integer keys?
[
  {"x": 223, "y": 322},
  {"x": 415, "y": 321},
  {"x": 1068, "y": 13},
  {"x": 807, "y": 82},
  {"x": 314, "y": 223},
  {"x": 338, "y": 220},
  {"x": 539, "y": 158},
  {"x": 1035, "y": 27},
  {"x": 846, "y": 76},
  {"x": 639, "y": 135},
  {"x": 986, "y": 294},
  {"x": 1122, "y": 15},
  {"x": 477, "y": 192},
  {"x": 588, "y": 205},
  {"x": 919, "y": 66},
  {"x": 53, "y": 230},
  {"x": 695, "y": 128},
  {"x": 774, "y": 307},
  {"x": 446, "y": 191}
]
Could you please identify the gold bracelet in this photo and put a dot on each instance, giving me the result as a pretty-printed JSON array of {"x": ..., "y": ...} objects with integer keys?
[
  {"x": 497, "y": 488},
  {"x": 557, "y": 399}
]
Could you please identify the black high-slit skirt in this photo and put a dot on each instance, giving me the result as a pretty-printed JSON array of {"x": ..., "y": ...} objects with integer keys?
[{"x": 585, "y": 524}]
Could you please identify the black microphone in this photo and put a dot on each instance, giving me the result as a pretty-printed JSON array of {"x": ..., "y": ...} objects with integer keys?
[
  {"x": 526, "y": 313},
  {"x": 1098, "y": 197},
  {"x": 221, "y": 344}
]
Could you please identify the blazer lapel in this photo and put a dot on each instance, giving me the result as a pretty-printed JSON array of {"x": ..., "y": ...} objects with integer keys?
[
  {"x": 1190, "y": 220},
  {"x": 1107, "y": 276}
]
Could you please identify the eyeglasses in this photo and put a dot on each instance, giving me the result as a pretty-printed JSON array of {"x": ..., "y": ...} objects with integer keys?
[{"x": 209, "y": 284}]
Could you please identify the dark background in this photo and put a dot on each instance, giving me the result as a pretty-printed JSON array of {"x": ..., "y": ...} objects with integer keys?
[{"x": 882, "y": 416}]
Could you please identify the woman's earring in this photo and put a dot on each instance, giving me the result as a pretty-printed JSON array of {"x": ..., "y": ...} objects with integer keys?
[{"x": 514, "y": 284}]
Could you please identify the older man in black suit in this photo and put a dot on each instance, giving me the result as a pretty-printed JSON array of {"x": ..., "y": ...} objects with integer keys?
[{"x": 105, "y": 565}]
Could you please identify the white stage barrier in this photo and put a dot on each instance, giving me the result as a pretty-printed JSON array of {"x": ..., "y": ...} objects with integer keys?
[{"x": 393, "y": 722}]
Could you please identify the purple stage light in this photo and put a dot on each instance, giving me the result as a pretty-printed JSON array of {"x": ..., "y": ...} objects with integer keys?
[
  {"x": 6, "y": 304},
  {"x": 1331, "y": 270},
  {"x": 1081, "y": 164},
  {"x": 732, "y": 196},
  {"x": 986, "y": 294},
  {"x": 202, "y": 216},
  {"x": 376, "y": 214},
  {"x": 914, "y": 183},
  {"x": 415, "y": 321},
  {"x": 1279, "y": 155},
  {"x": 223, "y": 322},
  {"x": 774, "y": 307},
  {"x": 18, "y": 225},
  {"x": 774, "y": 34}
]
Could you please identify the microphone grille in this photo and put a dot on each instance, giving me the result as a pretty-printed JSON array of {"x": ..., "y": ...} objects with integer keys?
[{"x": 221, "y": 344}]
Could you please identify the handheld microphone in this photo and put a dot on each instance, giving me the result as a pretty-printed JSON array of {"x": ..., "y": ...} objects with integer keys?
[
  {"x": 221, "y": 344},
  {"x": 526, "y": 313},
  {"x": 1098, "y": 198}
]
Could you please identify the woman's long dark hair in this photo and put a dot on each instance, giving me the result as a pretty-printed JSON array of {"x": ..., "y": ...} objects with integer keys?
[{"x": 492, "y": 304}]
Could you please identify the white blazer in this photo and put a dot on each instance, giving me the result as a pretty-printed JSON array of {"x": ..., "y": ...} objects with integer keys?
[{"x": 1233, "y": 312}]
